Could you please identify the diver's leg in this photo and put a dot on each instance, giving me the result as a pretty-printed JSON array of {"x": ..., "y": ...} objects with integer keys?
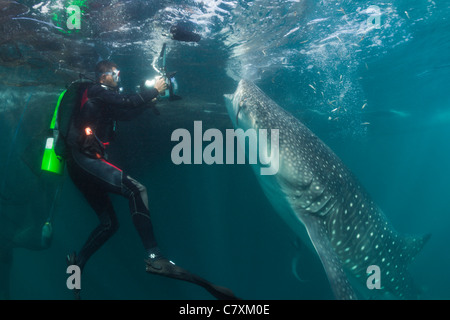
[
  {"x": 101, "y": 203},
  {"x": 95, "y": 178},
  {"x": 93, "y": 174},
  {"x": 104, "y": 177},
  {"x": 140, "y": 214}
]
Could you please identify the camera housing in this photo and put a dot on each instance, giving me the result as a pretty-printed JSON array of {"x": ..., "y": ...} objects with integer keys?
[{"x": 172, "y": 85}]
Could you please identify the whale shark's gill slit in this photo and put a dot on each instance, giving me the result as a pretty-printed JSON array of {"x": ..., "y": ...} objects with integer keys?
[
  {"x": 327, "y": 207},
  {"x": 318, "y": 201}
]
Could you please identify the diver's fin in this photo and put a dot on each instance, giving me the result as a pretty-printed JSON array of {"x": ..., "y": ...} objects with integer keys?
[{"x": 164, "y": 267}]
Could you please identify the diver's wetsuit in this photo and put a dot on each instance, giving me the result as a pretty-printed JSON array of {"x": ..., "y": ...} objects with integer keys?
[{"x": 91, "y": 128}]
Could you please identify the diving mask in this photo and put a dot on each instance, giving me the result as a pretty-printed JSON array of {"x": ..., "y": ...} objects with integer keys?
[{"x": 115, "y": 74}]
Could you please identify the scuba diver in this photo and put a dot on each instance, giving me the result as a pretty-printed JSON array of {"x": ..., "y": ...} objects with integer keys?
[{"x": 91, "y": 128}]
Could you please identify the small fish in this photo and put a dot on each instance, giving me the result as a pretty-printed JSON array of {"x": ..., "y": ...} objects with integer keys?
[
  {"x": 312, "y": 87},
  {"x": 406, "y": 12},
  {"x": 365, "y": 123},
  {"x": 364, "y": 105}
]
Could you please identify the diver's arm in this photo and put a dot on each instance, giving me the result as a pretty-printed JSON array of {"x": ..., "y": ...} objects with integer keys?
[
  {"x": 125, "y": 107},
  {"x": 122, "y": 101}
]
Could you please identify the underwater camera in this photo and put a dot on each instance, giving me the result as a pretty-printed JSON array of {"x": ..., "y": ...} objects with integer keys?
[
  {"x": 172, "y": 86},
  {"x": 159, "y": 65}
]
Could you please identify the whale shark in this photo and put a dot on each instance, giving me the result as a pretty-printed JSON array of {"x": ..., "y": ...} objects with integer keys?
[{"x": 325, "y": 205}]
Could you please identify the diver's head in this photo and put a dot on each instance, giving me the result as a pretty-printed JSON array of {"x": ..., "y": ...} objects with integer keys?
[{"x": 107, "y": 73}]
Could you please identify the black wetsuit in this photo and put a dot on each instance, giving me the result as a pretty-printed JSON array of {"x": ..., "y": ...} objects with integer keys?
[{"x": 91, "y": 128}]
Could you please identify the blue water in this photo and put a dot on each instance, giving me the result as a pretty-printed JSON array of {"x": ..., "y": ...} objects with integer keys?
[{"x": 378, "y": 97}]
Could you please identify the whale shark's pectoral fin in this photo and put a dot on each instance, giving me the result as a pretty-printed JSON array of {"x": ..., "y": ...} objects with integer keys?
[
  {"x": 301, "y": 270},
  {"x": 298, "y": 269},
  {"x": 337, "y": 277}
]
